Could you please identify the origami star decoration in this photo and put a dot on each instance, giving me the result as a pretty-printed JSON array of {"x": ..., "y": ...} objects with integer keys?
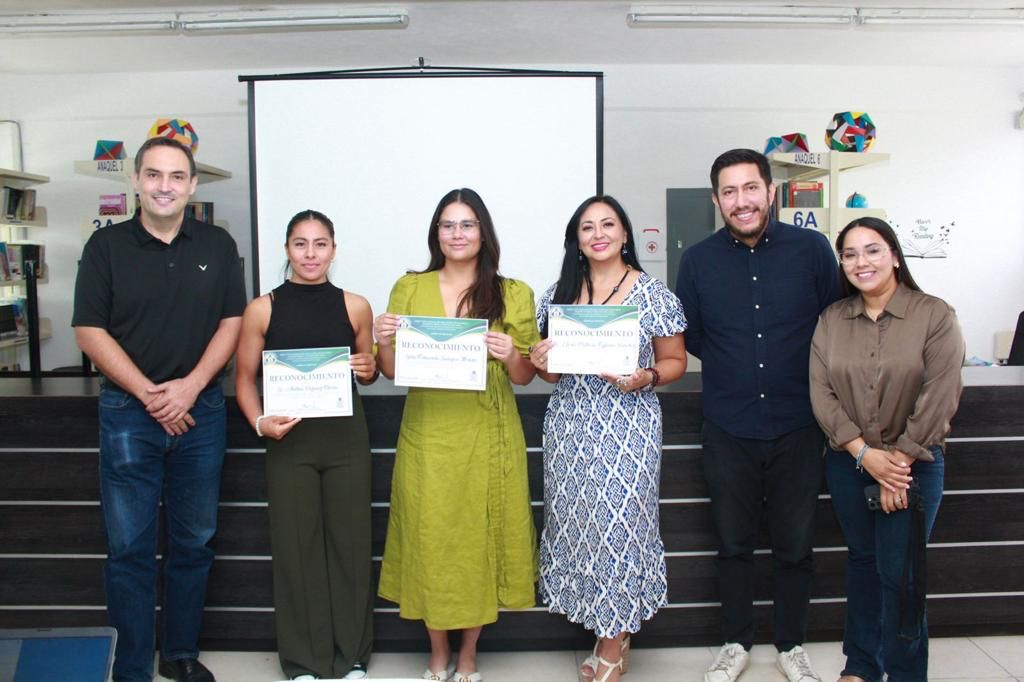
[
  {"x": 794, "y": 142},
  {"x": 176, "y": 129},
  {"x": 850, "y": 131},
  {"x": 107, "y": 150}
]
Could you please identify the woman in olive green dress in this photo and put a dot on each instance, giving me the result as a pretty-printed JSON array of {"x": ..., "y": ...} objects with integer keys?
[{"x": 461, "y": 541}]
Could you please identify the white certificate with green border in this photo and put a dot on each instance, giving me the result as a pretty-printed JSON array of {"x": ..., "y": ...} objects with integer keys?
[
  {"x": 441, "y": 352},
  {"x": 591, "y": 339},
  {"x": 307, "y": 382}
]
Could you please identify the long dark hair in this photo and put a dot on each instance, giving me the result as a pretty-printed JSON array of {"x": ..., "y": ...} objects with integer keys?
[
  {"x": 484, "y": 299},
  {"x": 883, "y": 230},
  {"x": 576, "y": 270}
]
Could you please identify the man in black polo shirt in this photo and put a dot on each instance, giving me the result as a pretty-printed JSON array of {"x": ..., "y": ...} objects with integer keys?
[
  {"x": 752, "y": 293},
  {"x": 158, "y": 305}
]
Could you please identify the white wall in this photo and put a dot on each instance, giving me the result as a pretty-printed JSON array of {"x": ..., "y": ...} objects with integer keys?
[
  {"x": 63, "y": 116},
  {"x": 955, "y": 156}
]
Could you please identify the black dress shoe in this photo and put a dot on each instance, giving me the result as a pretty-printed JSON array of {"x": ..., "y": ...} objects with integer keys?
[{"x": 186, "y": 670}]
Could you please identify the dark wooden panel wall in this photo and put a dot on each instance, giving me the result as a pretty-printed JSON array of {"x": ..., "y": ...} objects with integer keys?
[{"x": 52, "y": 545}]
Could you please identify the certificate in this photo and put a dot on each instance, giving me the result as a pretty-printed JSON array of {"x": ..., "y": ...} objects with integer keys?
[
  {"x": 307, "y": 382},
  {"x": 591, "y": 339},
  {"x": 441, "y": 352}
]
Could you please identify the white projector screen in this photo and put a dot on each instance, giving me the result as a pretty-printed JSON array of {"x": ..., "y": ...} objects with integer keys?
[{"x": 376, "y": 154}]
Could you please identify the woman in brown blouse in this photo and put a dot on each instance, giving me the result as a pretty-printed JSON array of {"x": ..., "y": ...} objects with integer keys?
[{"x": 885, "y": 382}]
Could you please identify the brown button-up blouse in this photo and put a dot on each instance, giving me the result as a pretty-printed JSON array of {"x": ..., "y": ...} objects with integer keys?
[{"x": 895, "y": 380}]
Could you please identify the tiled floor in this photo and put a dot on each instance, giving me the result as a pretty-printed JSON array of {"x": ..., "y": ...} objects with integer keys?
[{"x": 978, "y": 659}]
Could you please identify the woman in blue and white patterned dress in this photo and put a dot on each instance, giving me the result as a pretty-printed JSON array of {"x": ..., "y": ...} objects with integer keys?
[{"x": 602, "y": 562}]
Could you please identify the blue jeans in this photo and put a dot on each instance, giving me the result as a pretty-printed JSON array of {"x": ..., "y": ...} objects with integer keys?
[
  {"x": 874, "y": 574},
  {"x": 140, "y": 465}
]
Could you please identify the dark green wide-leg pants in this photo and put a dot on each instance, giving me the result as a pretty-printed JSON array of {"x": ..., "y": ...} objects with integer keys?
[{"x": 318, "y": 485}]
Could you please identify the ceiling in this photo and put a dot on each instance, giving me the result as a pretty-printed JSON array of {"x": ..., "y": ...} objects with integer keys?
[{"x": 502, "y": 32}]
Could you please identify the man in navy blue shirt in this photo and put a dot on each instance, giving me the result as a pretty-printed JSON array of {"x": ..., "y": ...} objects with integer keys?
[{"x": 752, "y": 293}]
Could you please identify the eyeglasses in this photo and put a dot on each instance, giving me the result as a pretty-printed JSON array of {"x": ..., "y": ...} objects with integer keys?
[
  {"x": 872, "y": 253},
  {"x": 467, "y": 226}
]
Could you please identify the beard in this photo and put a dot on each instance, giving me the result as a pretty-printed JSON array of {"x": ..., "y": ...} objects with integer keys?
[{"x": 744, "y": 232}]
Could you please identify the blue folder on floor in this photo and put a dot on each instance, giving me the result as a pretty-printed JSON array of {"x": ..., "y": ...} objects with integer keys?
[{"x": 65, "y": 654}]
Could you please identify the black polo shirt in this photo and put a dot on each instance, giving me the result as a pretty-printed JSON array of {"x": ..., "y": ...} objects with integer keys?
[{"x": 161, "y": 302}]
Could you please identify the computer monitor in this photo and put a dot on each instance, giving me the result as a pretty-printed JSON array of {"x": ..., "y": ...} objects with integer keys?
[
  {"x": 1016, "y": 356},
  {"x": 80, "y": 654}
]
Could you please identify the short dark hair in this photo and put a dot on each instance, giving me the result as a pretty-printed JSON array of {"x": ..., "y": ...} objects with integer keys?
[
  {"x": 734, "y": 157},
  {"x": 886, "y": 232},
  {"x": 164, "y": 142}
]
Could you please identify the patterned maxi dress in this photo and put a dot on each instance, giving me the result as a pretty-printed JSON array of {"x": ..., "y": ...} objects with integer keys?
[{"x": 602, "y": 561}]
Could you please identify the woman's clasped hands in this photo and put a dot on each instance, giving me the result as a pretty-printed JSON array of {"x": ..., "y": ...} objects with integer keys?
[{"x": 892, "y": 471}]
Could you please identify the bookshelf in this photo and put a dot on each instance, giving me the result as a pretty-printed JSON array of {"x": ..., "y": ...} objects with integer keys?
[
  {"x": 809, "y": 166},
  {"x": 17, "y": 233},
  {"x": 121, "y": 171}
]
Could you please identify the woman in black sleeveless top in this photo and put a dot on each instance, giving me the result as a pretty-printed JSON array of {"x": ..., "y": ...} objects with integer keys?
[{"x": 318, "y": 470}]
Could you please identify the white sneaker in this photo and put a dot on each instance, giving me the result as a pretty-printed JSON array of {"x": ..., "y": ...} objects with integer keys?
[
  {"x": 796, "y": 666},
  {"x": 305, "y": 677},
  {"x": 731, "y": 661},
  {"x": 358, "y": 672}
]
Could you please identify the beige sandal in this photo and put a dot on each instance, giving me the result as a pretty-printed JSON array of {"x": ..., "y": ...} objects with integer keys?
[
  {"x": 609, "y": 669},
  {"x": 589, "y": 667},
  {"x": 439, "y": 676}
]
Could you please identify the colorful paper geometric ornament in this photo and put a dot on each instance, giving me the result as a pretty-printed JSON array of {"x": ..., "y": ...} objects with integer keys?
[
  {"x": 856, "y": 200},
  {"x": 108, "y": 150},
  {"x": 850, "y": 131},
  {"x": 176, "y": 129},
  {"x": 792, "y": 143}
]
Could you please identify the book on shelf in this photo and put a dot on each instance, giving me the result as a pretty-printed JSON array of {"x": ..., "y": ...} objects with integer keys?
[
  {"x": 805, "y": 194},
  {"x": 795, "y": 194},
  {"x": 18, "y": 204},
  {"x": 14, "y": 255},
  {"x": 200, "y": 210},
  {"x": 13, "y": 322},
  {"x": 113, "y": 204}
]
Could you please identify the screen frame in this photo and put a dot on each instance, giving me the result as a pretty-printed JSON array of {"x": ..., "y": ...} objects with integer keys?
[{"x": 421, "y": 71}]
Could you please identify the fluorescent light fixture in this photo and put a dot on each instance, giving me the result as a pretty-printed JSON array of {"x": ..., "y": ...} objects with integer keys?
[
  {"x": 296, "y": 18},
  {"x": 668, "y": 15},
  {"x": 962, "y": 17},
  {"x": 682, "y": 15},
  {"x": 221, "y": 20},
  {"x": 86, "y": 22}
]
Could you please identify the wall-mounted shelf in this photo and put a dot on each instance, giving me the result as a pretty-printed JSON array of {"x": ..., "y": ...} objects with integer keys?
[
  {"x": 38, "y": 221},
  {"x": 20, "y": 179},
  {"x": 45, "y": 332},
  {"x": 13, "y": 232},
  {"x": 809, "y": 166},
  {"x": 122, "y": 169}
]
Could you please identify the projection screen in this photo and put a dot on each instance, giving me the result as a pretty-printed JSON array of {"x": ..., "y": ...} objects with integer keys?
[{"x": 376, "y": 153}]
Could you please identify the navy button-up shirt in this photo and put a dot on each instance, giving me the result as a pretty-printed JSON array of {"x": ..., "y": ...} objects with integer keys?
[{"x": 752, "y": 313}]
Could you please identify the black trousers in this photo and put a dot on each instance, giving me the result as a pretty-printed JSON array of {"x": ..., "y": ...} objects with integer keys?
[{"x": 779, "y": 478}]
